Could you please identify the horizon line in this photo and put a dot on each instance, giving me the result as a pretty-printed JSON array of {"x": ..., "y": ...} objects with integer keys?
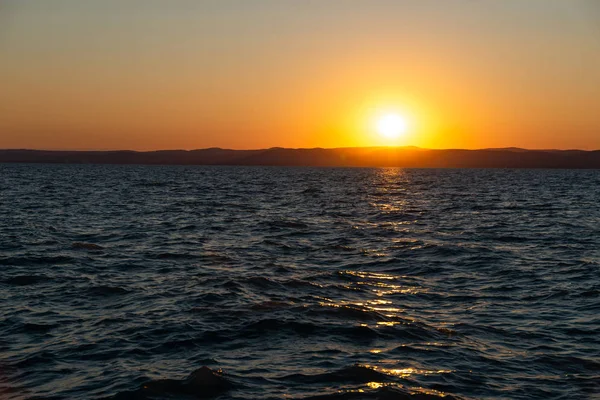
[{"x": 509, "y": 148}]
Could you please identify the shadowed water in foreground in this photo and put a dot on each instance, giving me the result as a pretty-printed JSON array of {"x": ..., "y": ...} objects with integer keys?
[{"x": 134, "y": 282}]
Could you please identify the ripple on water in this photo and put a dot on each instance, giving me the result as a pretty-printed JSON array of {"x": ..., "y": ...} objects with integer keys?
[{"x": 231, "y": 282}]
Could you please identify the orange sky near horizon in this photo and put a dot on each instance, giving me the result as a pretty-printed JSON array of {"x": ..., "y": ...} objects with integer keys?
[{"x": 146, "y": 75}]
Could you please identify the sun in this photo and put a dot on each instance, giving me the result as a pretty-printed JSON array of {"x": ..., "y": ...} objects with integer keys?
[{"x": 392, "y": 125}]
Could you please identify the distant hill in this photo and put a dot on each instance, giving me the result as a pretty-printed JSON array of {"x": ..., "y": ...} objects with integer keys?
[{"x": 409, "y": 157}]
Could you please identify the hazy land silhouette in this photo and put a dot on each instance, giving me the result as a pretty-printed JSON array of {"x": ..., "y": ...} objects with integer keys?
[{"x": 408, "y": 157}]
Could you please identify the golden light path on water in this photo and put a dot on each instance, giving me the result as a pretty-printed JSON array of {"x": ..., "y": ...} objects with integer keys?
[{"x": 386, "y": 286}]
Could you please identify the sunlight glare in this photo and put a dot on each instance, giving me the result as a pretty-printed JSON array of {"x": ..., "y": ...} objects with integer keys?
[{"x": 391, "y": 126}]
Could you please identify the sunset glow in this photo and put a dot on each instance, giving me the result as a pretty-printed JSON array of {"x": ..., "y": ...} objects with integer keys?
[{"x": 298, "y": 74}]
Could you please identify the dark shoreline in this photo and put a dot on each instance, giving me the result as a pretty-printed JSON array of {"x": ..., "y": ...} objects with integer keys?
[{"x": 407, "y": 157}]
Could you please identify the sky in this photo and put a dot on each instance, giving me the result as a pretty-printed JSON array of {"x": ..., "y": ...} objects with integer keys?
[{"x": 248, "y": 74}]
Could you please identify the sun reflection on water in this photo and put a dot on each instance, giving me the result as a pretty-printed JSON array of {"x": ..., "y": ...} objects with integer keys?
[
  {"x": 412, "y": 390},
  {"x": 375, "y": 385},
  {"x": 382, "y": 290},
  {"x": 379, "y": 283},
  {"x": 402, "y": 373}
]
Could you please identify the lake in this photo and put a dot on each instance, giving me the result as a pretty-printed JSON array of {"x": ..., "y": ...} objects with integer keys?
[{"x": 304, "y": 283}]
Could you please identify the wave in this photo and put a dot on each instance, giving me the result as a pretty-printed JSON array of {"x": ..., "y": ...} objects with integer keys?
[
  {"x": 355, "y": 374},
  {"x": 207, "y": 383},
  {"x": 202, "y": 383},
  {"x": 105, "y": 290},
  {"x": 36, "y": 260},
  {"x": 385, "y": 392},
  {"x": 25, "y": 280}
]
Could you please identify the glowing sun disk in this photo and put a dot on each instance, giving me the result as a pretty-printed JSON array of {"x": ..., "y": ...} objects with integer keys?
[{"x": 391, "y": 126}]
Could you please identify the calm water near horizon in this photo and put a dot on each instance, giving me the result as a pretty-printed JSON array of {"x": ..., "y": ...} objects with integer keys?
[{"x": 321, "y": 283}]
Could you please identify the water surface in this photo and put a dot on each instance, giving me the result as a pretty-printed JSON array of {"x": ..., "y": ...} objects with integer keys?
[{"x": 299, "y": 282}]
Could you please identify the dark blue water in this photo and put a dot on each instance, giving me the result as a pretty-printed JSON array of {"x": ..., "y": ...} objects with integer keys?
[{"x": 298, "y": 283}]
